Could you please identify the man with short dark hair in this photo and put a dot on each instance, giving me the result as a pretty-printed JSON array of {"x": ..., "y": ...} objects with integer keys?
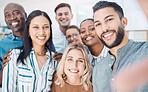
[
  {"x": 110, "y": 23},
  {"x": 15, "y": 17},
  {"x": 63, "y": 17}
]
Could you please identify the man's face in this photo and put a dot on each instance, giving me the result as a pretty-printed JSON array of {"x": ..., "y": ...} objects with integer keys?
[
  {"x": 72, "y": 35},
  {"x": 14, "y": 17},
  {"x": 109, "y": 27},
  {"x": 63, "y": 17}
]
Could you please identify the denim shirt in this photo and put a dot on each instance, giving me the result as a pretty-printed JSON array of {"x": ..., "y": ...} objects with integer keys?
[
  {"x": 7, "y": 43},
  {"x": 131, "y": 53}
]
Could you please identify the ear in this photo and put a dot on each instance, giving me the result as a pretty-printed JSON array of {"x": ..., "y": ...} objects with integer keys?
[
  {"x": 56, "y": 17},
  {"x": 71, "y": 16},
  {"x": 124, "y": 22}
]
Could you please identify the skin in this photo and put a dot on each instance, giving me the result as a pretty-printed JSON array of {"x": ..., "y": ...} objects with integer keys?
[
  {"x": 74, "y": 67},
  {"x": 39, "y": 31},
  {"x": 107, "y": 24},
  {"x": 71, "y": 32},
  {"x": 90, "y": 38},
  {"x": 129, "y": 78},
  {"x": 15, "y": 16},
  {"x": 63, "y": 17}
]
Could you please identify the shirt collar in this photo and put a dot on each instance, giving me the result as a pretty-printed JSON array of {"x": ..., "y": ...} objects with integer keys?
[{"x": 15, "y": 37}]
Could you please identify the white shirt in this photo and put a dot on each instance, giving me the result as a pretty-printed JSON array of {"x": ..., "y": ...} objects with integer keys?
[
  {"x": 95, "y": 59},
  {"x": 18, "y": 77},
  {"x": 60, "y": 41}
]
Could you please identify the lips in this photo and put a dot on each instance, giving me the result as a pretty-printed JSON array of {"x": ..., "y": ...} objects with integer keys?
[
  {"x": 73, "y": 71},
  {"x": 89, "y": 38},
  {"x": 14, "y": 24},
  {"x": 108, "y": 35},
  {"x": 41, "y": 37}
]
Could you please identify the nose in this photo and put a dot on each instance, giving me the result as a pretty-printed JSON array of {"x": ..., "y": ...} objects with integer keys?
[
  {"x": 105, "y": 27},
  {"x": 42, "y": 31},
  {"x": 88, "y": 32},
  {"x": 75, "y": 64},
  {"x": 12, "y": 17}
]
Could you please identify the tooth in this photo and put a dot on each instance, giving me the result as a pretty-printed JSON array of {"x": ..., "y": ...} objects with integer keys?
[
  {"x": 88, "y": 38},
  {"x": 73, "y": 71},
  {"x": 14, "y": 23},
  {"x": 108, "y": 35},
  {"x": 41, "y": 37}
]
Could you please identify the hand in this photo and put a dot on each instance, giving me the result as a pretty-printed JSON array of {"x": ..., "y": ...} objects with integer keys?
[
  {"x": 57, "y": 56},
  {"x": 6, "y": 59}
]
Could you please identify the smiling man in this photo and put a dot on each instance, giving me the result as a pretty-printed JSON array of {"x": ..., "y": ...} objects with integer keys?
[
  {"x": 15, "y": 16},
  {"x": 110, "y": 23},
  {"x": 63, "y": 17}
]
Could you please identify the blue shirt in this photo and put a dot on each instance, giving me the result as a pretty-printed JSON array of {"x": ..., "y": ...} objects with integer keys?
[
  {"x": 60, "y": 41},
  {"x": 18, "y": 77},
  {"x": 7, "y": 43},
  {"x": 132, "y": 52}
]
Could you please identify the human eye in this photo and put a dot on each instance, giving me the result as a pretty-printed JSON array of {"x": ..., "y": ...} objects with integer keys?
[
  {"x": 68, "y": 37},
  {"x": 59, "y": 14},
  {"x": 92, "y": 29},
  {"x": 46, "y": 27},
  {"x": 69, "y": 59},
  {"x": 16, "y": 12},
  {"x": 81, "y": 60},
  {"x": 109, "y": 19},
  {"x": 82, "y": 31},
  {"x": 7, "y": 15},
  {"x": 97, "y": 24},
  {"x": 35, "y": 27}
]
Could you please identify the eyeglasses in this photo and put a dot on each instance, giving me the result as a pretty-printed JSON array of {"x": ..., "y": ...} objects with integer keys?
[{"x": 69, "y": 36}]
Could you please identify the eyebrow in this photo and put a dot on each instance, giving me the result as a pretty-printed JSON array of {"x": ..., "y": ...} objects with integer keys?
[
  {"x": 104, "y": 18},
  {"x": 90, "y": 25},
  {"x": 69, "y": 57}
]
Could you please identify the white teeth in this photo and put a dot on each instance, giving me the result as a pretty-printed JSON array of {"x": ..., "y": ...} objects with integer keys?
[
  {"x": 74, "y": 71},
  {"x": 41, "y": 37},
  {"x": 14, "y": 23},
  {"x": 88, "y": 38},
  {"x": 108, "y": 35}
]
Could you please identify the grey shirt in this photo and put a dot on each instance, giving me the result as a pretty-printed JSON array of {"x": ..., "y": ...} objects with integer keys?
[{"x": 131, "y": 53}]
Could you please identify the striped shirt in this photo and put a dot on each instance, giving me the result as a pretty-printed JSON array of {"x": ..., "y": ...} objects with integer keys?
[
  {"x": 95, "y": 59},
  {"x": 18, "y": 77}
]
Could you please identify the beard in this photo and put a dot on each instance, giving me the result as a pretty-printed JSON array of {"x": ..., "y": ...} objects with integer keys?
[{"x": 118, "y": 40}]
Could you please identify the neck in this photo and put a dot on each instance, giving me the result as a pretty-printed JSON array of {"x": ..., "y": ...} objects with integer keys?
[
  {"x": 19, "y": 34},
  {"x": 96, "y": 49},
  {"x": 74, "y": 81},
  {"x": 63, "y": 29},
  {"x": 123, "y": 43},
  {"x": 40, "y": 50}
]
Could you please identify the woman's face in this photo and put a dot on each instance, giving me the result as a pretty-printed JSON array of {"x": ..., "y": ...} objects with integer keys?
[
  {"x": 74, "y": 65},
  {"x": 39, "y": 30}
]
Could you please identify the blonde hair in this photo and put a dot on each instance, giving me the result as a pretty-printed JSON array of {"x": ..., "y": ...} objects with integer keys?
[{"x": 86, "y": 77}]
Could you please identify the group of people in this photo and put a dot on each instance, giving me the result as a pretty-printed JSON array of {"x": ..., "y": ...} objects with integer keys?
[{"x": 36, "y": 58}]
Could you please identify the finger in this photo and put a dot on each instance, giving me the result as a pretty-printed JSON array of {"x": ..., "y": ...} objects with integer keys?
[
  {"x": 4, "y": 65},
  {"x": 6, "y": 60},
  {"x": 6, "y": 55}
]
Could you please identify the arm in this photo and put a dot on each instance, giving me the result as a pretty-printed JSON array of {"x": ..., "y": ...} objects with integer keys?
[{"x": 10, "y": 75}]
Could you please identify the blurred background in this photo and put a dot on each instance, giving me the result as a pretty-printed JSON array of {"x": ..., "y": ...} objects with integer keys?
[{"x": 137, "y": 23}]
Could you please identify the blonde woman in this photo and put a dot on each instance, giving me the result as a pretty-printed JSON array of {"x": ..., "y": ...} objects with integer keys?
[{"x": 74, "y": 71}]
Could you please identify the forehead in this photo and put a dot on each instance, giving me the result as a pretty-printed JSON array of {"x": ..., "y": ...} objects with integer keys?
[
  {"x": 71, "y": 31},
  {"x": 87, "y": 23},
  {"x": 39, "y": 20},
  {"x": 63, "y": 9},
  {"x": 73, "y": 51},
  {"x": 13, "y": 7},
  {"x": 102, "y": 13}
]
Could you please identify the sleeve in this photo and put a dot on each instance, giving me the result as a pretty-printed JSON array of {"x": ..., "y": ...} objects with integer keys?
[
  {"x": 9, "y": 83},
  {"x": 94, "y": 80}
]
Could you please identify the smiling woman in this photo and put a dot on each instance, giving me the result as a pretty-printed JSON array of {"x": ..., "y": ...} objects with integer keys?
[
  {"x": 73, "y": 71},
  {"x": 31, "y": 66}
]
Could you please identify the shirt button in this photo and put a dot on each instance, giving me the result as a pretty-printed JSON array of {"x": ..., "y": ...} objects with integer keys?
[
  {"x": 113, "y": 79},
  {"x": 110, "y": 65},
  {"x": 112, "y": 57}
]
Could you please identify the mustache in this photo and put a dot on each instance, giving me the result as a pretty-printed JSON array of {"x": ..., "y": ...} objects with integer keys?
[{"x": 107, "y": 31}]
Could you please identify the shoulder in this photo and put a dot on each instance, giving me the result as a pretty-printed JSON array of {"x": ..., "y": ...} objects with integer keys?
[{"x": 8, "y": 37}]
